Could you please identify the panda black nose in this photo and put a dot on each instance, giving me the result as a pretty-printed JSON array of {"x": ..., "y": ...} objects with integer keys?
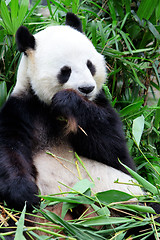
[{"x": 86, "y": 90}]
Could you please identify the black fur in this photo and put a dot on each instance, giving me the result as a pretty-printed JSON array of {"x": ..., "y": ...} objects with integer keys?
[
  {"x": 17, "y": 170},
  {"x": 104, "y": 142},
  {"x": 73, "y": 21},
  {"x": 64, "y": 74},
  {"x": 91, "y": 67},
  {"x": 24, "y": 39}
]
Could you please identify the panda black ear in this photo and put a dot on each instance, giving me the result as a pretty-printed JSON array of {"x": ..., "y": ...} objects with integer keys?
[
  {"x": 73, "y": 21},
  {"x": 24, "y": 39}
]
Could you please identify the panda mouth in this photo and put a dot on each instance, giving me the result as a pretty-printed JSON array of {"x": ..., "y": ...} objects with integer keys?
[{"x": 88, "y": 96}]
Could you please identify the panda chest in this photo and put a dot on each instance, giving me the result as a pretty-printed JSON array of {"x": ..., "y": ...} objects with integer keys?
[{"x": 57, "y": 167}]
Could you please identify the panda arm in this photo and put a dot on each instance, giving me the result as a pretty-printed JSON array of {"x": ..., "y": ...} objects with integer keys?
[
  {"x": 105, "y": 141},
  {"x": 16, "y": 168}
]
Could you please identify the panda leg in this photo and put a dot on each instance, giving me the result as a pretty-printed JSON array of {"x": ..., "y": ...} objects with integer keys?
[{"x": 17, "y": 173}]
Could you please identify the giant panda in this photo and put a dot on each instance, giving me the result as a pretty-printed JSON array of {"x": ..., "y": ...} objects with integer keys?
[{"x": 58, "y": 106}]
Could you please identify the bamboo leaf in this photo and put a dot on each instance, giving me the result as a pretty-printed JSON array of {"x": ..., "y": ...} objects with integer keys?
[
  {"x": 158, "y": 11},
  {"x": 73, "y": 230},
  {"x": 75, "y": 5},
  {"x": 59, "y": 6},
  {"x": 3, "y": 92},
  {"x": 83, "y": 185},
  {"x": 157, "y": 116},
  {"x": 138, "y": 208},
  {"x": 22, "y": 12},
  {"x": 14, "y": 11},
  {"x": 137, "y": 128},
  {"x": 6, "y": 17},
  {"x": 101, "y": 211},
  {"x": 128, "y": 6},
  {"x": 103, "y": 220},
  {"x": 124, "y": 20},
  {"x": 137, "y": 79},
  {"x": 126, "y": 41},
  {"x": 146, "y": 8},
  {"x": 113, "y": 196},
  {"x": 153, "y": 30},
  {"x": 20, "y": 226},
  {"x": 49, "y": 7},
  {"x": 94, "y": 35},
  {"x": 147, "y": 185},
  {"x": 133, "y": 107},
  {"x": 112, "y": 12},
  {"x": 69, "y": 199}
]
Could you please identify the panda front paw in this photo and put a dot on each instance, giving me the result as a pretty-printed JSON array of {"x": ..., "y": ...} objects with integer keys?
[
  {"x": 66, "y": 102},
  {"x": 65, "y": 106},
  {"x": 19, "y": 191}
]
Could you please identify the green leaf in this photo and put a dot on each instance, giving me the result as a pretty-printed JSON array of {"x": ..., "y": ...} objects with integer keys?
[
  {"x": 102, "y": 33},
  {"x": 22, "y": 12},
  {"x": 69, "y": 199},
  {"x": 124, "y": 36},
  {"x": 103, "y": 220},
  {"x": 146, "y": 8},
  {"x": 6, "y": 18},
  {"x": 3, "y": 92},
  {"x": 156, "y": 72},
  {"x": 112, "y": 12},
  {"x": 124, "y": 20},
  {"x": 73, "y": 230},
  {"x": 2, "y": 24},
  {"x": 101, "y": 211},
  {"x": 75, "y": 5},
  {"x": 66, "y": 207},
  {"x": 136, "y": 78},
  {"x": 158, "y": 11},
  {"x": 153, "y": 30},
  {"x": 49, "y": 7},
  {"x": 128, "y": 6},
  {"x": 147, "y": 185},
  {"x": 14, "y": 10},
  {"x": 94, "y": 33},
  {"x": 32, "y": 9},
  {"x": 118, "y": 8},
  {"x": 83, "y": 185},
  {"x": 133, "y": 107},
  {"x": 81, "y": 162},
  {"x": 20, "y": 226},
  {"x": 111, "y": 196},
  {"x": 157, "y": 116},
  {"x": 59, "y": 6},
  {"x": 138, "y": 208},
  {"x": 137, "y": 128}
]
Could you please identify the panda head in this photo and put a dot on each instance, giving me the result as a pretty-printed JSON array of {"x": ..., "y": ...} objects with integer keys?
[{"x": 57, "y": 58}]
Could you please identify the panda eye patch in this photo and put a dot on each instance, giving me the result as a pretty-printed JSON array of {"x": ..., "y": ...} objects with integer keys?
[
  {"x": 91, "y": 67},
  {"x": 64, "y": 74}
]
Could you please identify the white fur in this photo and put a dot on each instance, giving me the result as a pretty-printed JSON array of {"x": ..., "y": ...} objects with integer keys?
[
  {"x": 52, "y": 171},
  {"x": 56, "y": 47}
]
